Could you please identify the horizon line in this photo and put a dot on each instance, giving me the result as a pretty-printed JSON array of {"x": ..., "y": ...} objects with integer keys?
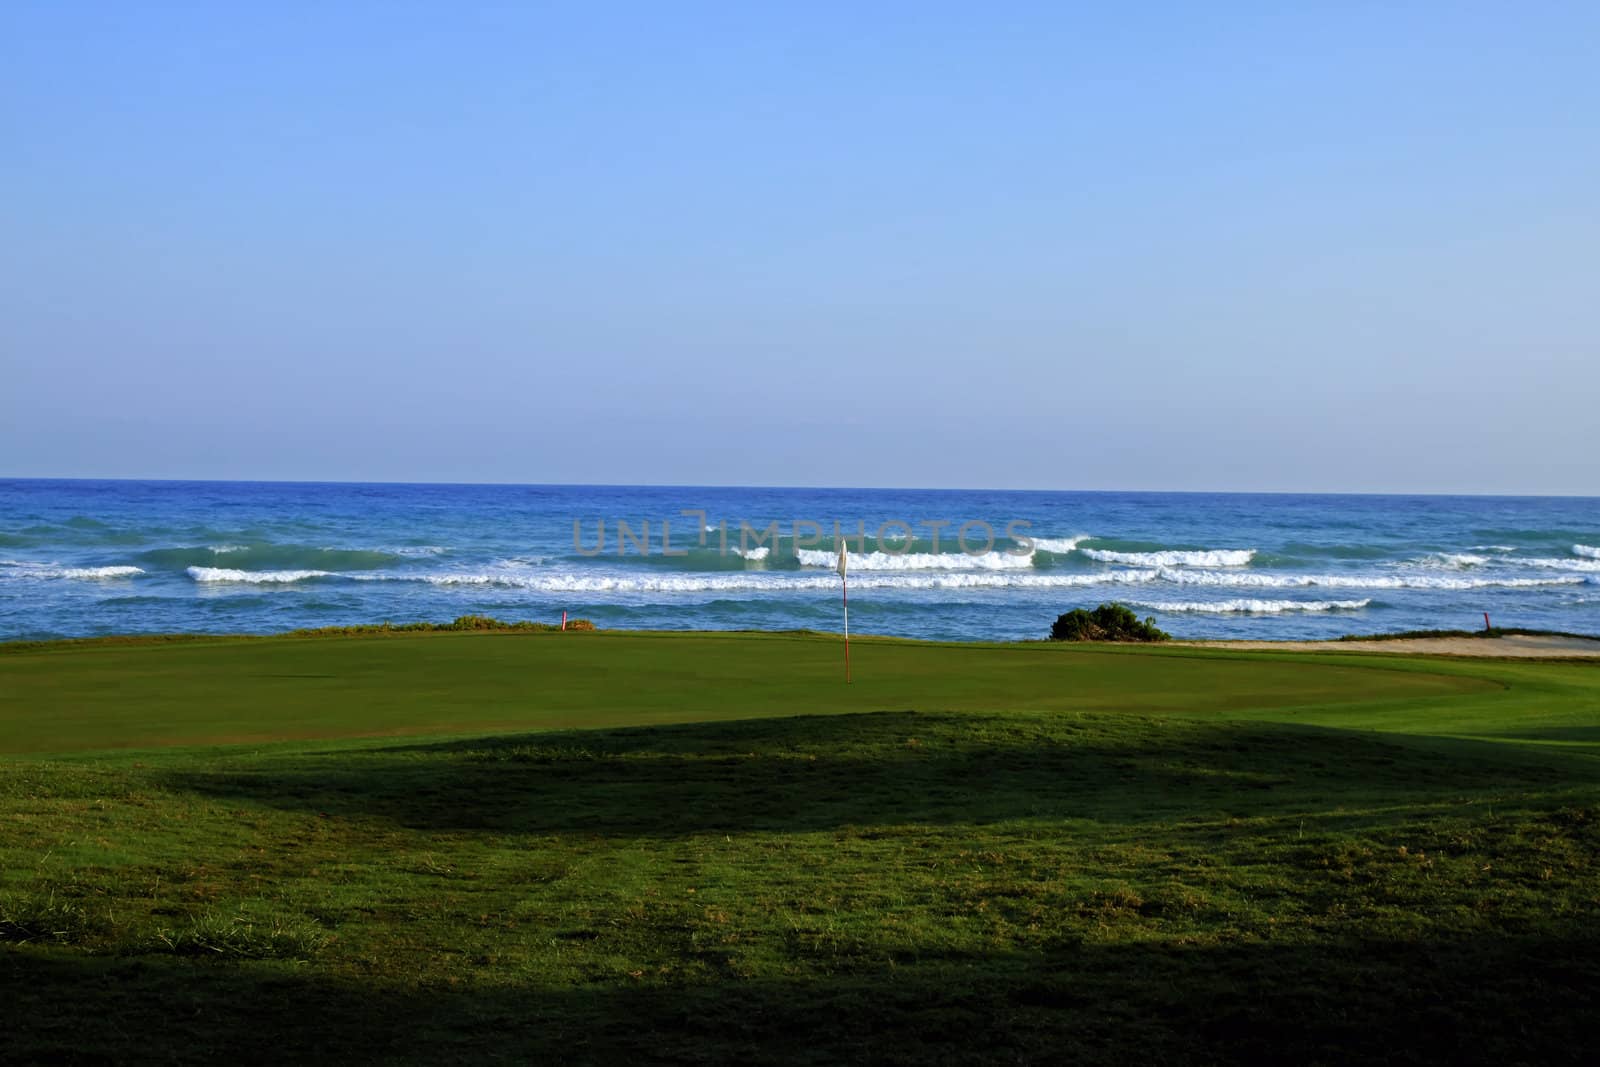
[{"x": 823, "y": 488}]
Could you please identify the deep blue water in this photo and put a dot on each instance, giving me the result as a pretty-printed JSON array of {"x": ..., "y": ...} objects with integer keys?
[{"x": 84, "y": 557}]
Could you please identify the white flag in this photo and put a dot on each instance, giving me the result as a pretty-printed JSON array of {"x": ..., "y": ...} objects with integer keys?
[{"x": 843, "y": 556}]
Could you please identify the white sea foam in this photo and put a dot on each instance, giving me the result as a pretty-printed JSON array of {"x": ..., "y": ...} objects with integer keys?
[
  {"x": 1454, "y": 559},
  {"x": 917, "y": 561},
  {"x": 755, "y": 554},
  {"x": 1217, "y": 557},
  {"x": 1250, "y": 607},
  {"x": 24, "y": 569},
  {"x": 1590, "y": 566},
  {"x": 99, "y": 572},
  {"x": 223, "y": 550},
  {"x": 1059, "y": 545},
  {"x": 907, "y": 579},
  {"x": 1352, "y": 581},
  {"x": 1463, "y": 560},
  {"x": 950, "y": 580},
  {"x": 1586, "y": 550},
  {"x": 1493, "y": 548},
  {"x": 756, "y": 581},
  {"x": 415, "y": 551},
  {"x": 228, "y": 574}
]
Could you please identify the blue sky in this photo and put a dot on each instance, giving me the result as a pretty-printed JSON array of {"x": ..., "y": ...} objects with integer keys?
[{"x": 1237, "y": 246}]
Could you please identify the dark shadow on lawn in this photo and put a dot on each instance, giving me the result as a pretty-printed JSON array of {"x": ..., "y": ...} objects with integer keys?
[
  {"x": 1486, "y": 1000},
  {"x": 813, "y": 773}
]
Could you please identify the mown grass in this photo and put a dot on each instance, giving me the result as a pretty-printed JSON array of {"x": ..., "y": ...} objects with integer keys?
[
  {"x": 1487, "y": 632},
  {"x": 1034, "y": 855},
  {"x": 73, "y": 698}
]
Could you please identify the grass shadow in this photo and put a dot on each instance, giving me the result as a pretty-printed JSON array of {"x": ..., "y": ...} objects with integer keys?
[
  {"x": 1531, "y": 999},
  {"x": 817, "y": 773}
]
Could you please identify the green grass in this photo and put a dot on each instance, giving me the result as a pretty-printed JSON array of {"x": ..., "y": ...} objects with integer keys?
[
  {"x": 1492, "y": 631},
  {"x": 703, "y": 848}
]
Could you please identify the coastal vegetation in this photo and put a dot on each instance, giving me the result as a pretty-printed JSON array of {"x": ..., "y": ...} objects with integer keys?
[
  {"x": 1108, "y": 622},
  {"x": 511, "y": 846},
  {"x": 463, "y": 623}
]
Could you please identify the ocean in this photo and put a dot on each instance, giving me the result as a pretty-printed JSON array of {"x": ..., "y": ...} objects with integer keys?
[{"x": 81, "y": 558}]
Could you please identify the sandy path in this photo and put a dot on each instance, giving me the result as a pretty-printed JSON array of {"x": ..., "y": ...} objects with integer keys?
[{"x": 1517, "y": 645}]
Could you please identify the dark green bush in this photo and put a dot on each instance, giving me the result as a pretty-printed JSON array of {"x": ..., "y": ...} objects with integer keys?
[
  {"x": 1108, "y": 622},
  {"x": 484, "y": 623}
]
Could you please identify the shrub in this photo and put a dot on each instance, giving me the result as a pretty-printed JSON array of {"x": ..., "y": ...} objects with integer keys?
[
  {"x": 1108, "y": 622},
  {"x": 473, "y": 623},
  {"x": 477, "y": 622}
]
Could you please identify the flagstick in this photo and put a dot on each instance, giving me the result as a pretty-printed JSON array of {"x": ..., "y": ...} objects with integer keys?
[{"x": 844, "y": 585}]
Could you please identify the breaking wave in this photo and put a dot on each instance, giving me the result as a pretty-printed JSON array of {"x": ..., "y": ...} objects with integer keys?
[
  {"x": 1355, "y": 581},
  {"x": 264, "y": 556},
  {"x": 1455, "y": 559},
  {"x": 1464, "y": 560},
  {"x": 779, "y": 583},
  {"x": 1059, "y": 545},
  {"x": 416, "y": 551},
  {"x": 1587, "y": 565},
  {"x": 1586, "y": 550},
  {"x": 229, "y": 574},
  {"x": 917, "y": 561},
  {"x": 46, "y": 570},
  {"x": 1250, "y": 607},
  {"x": 923, "y": 578},
  {"x": 1218, "y": 557}
]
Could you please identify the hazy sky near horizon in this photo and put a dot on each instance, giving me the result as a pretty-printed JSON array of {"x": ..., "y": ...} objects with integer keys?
[{"x": 1233, "y": 246}]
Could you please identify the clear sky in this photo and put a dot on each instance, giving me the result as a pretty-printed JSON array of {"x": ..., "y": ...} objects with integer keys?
[{"x": 1341, "y": 246}]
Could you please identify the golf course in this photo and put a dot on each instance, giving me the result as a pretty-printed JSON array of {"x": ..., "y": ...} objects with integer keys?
[{"x": 695, "y": 847}]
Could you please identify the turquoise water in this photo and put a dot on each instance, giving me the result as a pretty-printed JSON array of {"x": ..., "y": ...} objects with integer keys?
[{"x": 81, "y": 558}]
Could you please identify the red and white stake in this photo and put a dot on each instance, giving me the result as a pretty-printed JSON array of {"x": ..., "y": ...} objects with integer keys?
[
  {"x": 844, "y": 592},
  {"x": 844, "y": 588}
]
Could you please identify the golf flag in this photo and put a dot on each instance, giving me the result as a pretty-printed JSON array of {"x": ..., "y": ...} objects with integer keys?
[{"x": 844, "y": 591}]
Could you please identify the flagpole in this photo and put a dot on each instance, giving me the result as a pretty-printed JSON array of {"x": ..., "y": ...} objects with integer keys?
[
  {"x": 845, "y": 588},
  {"x": 844, "y": 591}
]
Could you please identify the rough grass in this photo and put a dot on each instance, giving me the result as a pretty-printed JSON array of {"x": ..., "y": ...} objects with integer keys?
[
  {"x": 45, "y": 914},
  {"x": 1092, "y": 856},
  {"x": 238, "y": 936}
]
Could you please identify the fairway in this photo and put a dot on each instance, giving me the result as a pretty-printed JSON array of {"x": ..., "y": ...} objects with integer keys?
[
  {"x": 94, "y": 696},
  {"x": 705, "y": 847}
]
